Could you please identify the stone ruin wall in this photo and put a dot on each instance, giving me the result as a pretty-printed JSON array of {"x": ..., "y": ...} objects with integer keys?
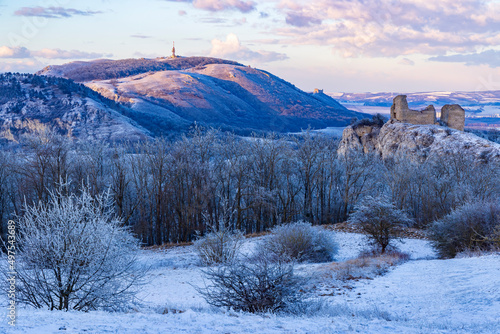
[
  {"x": 451, "y": 115},
  {"x": 454, "y": 116}
]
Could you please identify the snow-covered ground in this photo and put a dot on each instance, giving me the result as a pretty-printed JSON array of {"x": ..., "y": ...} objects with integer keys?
[{"x": 424, "y": 295}]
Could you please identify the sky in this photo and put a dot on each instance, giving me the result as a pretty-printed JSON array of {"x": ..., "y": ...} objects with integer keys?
[{"x": 336, "y": 45}]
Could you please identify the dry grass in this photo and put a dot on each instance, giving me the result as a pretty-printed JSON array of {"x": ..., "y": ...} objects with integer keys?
[
  {"x": 167, "y": 246},
  {"x": 407, "y": 232},
  {"x": 366, "y": 266}
]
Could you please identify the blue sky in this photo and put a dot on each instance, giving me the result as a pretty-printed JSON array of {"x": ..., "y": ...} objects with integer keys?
[{"x": 336, "y": 45}]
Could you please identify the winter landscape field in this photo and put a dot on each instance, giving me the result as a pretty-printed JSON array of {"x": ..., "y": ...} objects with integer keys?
[
  {"x": 422, "y": 295},
  {"x": 250, "y": 166}
]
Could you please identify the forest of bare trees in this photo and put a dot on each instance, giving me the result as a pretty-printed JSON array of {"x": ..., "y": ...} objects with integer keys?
[{"x": 166, "y": 191}]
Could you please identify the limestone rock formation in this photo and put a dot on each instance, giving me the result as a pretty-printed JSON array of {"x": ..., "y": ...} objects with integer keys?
[
  {"x": 418, "y": 142},
  {"x": 453, "y": 116},
  {"x": 401, "y": 112},
  {"x": 360, "y": 138}
]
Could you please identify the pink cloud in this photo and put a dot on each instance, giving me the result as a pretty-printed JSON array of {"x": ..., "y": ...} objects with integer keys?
[
  {"x": 53, "y": 12},
  {"x": 64, "y": 54},
  {"x": 392, "y": 28},
  {"x": 221, "y": 5},
  {"x": 300, "y": 20},
  {"x": 231, "y": 48},
  {"x": 15, "y": 52},
  {"x": 22, "y": 52}
]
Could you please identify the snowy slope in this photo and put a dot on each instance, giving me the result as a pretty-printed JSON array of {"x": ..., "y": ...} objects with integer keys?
[
  {"x": 68, "y": 107},
  {"x": 175, "y": 93},
  {"x": 423, "y": 295}
]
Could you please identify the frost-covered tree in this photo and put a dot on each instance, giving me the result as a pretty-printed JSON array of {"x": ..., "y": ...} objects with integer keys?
[
  {"x": 75, "y": 254},
  {"x": 380, "y": 220}
]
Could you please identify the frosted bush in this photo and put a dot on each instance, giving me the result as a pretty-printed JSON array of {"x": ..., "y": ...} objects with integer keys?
[
  {"x": 219, "y": 246},
  {"x": 73, "y": 253},
  {"x": 473, "y": 226},
  {"x": 299, "y": 242},
  {"x": 253, "y": 286}
]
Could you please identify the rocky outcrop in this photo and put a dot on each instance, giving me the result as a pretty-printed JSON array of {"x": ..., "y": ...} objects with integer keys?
[
  {"x": 401, "y": 112},
  {"x": 360, "y": 138},
  {"x": 418, "y": 142},
  {"x": 453, "y": 116}
]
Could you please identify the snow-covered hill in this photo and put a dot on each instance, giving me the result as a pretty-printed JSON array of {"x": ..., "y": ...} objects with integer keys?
[
  {"x": 68, "y": 107},
  {"x": 178, "y": 92},
  {"x": 475, "y": 98},
  {"x": 424, "y": 295}
]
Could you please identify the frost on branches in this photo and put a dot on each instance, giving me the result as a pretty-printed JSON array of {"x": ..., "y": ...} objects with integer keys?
[{"x": 75, "y": 254}]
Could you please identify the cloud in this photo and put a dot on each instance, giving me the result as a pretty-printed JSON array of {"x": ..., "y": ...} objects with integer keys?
[
  {"x": 232, "y": 48},
  {"x": 22, "y": 65},
  {"x": 140, "y": 36},
  {"x": 63, "y": 54},
  {"x": 406, "y": 61},
  {"x": 16, "y": 52},
  {"x": 300, "y": 20},
  {"x": 21, "y": 52},
  {"x": 239, "y": 22},
  {"x": 213, "y": 20},
  {"x": 221, "y": 5},
  {"x": 489, "y": 57},
  {"x": 392, "y": 28},
  {"x": 53, "y": 12}
]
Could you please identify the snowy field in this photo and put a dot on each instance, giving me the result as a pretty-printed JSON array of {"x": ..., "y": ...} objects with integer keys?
[{"x": 423, "y": 295}]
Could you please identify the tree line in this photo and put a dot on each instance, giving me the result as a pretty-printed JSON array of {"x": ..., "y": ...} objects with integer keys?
[{"x": 166, "y": 191}]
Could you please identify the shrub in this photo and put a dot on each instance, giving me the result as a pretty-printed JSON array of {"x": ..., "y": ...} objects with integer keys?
[
  {"x": 377, "y": 120},
  {"x": 254, "y": 286},
  {"x": 299, "y": 242},
  {"x": 473, "y": 226},
  {"x": 75, "y": 254},
  {"x": 219, "y": 246},
  {"x": 380, "y": 220}
]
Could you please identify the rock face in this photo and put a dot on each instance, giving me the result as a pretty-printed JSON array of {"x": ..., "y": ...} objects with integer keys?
[
  {"x": 418, "y": 142},
  {"x": 401, "y": 112},
  {"x": 360, "y": 138},
  {"x": 453, "y": 116}
]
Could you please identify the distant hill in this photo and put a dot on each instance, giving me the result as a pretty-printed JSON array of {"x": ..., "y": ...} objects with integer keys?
[
  {"x": 170, "y": 94},
  {"x": 68, "y": 107},
  {"x": 482, "y": 108},
  {"x": 102, "y": 69},
  {"x": 476, "y": 98}
]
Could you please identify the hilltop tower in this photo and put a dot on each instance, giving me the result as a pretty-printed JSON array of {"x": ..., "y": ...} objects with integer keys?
[{"x": 173, "y": 51}]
